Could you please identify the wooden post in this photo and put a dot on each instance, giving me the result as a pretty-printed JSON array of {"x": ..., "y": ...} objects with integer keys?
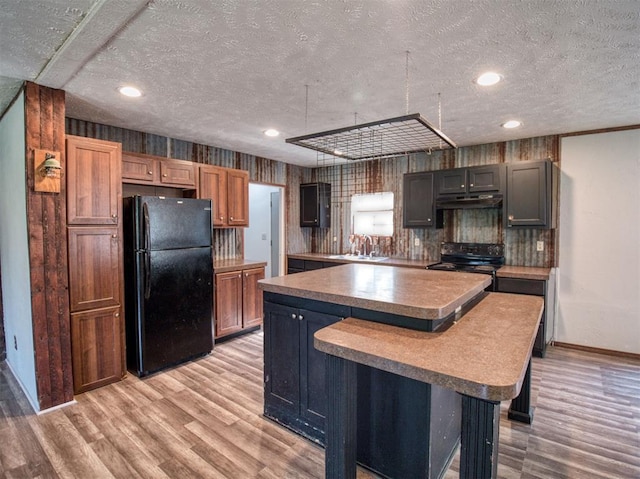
[
  {"x": 340, "y": 452},
  {"x": 520, "y": 409},
  {"x": 479, "y": 438}
]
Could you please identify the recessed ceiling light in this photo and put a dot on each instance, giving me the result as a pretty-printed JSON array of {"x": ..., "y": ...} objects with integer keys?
[
  {"x": 130, "y": 91},
  {"x": 271, "y": 132},
  {"x": 337, "y": 152},
  {"x": 512, "y": 124},
  {"x": 488, "y": 79}
]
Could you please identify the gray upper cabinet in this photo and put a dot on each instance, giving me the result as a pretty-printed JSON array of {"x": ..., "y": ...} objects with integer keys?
[
  {"x": 475, "y": 179},
  {"x": 315, "y": 205},
  {"x": 418, "y": 209},
  {"x": 531, "y": 194}
]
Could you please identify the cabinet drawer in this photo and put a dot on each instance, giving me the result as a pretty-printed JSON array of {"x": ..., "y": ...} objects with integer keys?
[
  {"x": 294, "y": 263},
  {"x": 521, "y": 286},
  {"x": 310, "y": 265}
]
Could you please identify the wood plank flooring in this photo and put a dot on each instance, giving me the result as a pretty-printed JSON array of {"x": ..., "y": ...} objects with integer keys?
[{"x": 204, "y": 420}]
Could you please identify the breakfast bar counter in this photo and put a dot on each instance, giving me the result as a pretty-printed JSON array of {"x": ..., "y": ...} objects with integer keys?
[{"x": 400, "y": 353}]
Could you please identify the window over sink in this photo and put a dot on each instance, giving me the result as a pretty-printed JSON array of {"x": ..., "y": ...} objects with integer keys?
[{"x": 372, "y": 214}]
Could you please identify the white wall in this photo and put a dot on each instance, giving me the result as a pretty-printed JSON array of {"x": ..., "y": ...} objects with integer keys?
[
  {"x": 257, "y": 237},
  {"x": 599, "y": 256},
  {"x": 14, "y": 251}
]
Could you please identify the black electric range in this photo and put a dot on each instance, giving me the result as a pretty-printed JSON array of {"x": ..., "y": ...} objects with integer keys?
[{"x": 484, "y": 258}]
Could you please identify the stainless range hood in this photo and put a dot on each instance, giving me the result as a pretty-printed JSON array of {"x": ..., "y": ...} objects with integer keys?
[{"x": 453, "y": 202}]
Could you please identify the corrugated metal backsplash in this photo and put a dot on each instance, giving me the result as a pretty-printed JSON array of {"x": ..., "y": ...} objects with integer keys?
[{"x": 484, "y": 225}]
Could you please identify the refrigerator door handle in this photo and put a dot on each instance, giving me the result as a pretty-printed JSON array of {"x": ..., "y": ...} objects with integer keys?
[
  {"x": 147, "y": 275},
  {"x": 146, "y": 225}
]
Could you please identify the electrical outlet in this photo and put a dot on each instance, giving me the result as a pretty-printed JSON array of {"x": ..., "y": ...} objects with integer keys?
[
  {"x": 335, "y": 239},
  {"x": 540, "y": 246},
  {"x": 416, "y": 242}
]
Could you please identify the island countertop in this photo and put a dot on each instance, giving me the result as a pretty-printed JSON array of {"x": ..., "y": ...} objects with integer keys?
[
  {"x": 416, "y": 293},
  {"x": 484, "y": 354}
]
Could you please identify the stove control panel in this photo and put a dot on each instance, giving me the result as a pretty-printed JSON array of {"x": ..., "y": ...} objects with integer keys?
[{"x": 473, "y": 249}]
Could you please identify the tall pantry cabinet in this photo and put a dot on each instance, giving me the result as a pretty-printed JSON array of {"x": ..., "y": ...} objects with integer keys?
[{"x": 94, "y": 228}]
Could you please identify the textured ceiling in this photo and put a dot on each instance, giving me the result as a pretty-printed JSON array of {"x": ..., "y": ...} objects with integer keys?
[{"x": 221, "y": 72}]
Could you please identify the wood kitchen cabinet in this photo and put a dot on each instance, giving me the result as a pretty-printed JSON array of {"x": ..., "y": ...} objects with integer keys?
[
  {"x": 294, "y": 371},
  {"x": 315, "y": 205},
  {"x": 96, "y": 346},
  {"x": 94, "y": 267},
  {"x": 138, "y": 168},
  {"x": 532, "y": 188},
  {"x": 238, "y": 301},
  {"x": 94, "y": 211},
  {"x": 418, "y": 210},
  {"x": 475, "y": 179},
  {"x": 228, "y": 189}
]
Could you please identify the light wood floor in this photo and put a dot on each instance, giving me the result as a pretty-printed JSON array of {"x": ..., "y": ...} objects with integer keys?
[{"x": 203, "y": 419}]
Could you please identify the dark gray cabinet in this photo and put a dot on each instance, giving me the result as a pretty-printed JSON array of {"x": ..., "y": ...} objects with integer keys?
[
  {"x": 294, "y": 371},
  {"x": 296, "y": 265},
  {"x": 532, "y": 287},
  {"x": 417, "y": 201},
  {"x": 476, "y": 179},
  {"x": 531, "y": 194},
  {"x": 315, "y": 205}
]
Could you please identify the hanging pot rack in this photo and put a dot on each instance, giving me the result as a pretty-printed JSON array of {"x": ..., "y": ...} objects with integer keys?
[{"x": 378, "y": 139}]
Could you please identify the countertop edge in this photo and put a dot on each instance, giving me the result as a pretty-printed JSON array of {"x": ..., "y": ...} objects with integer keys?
[{"x": 236, "y": 264}]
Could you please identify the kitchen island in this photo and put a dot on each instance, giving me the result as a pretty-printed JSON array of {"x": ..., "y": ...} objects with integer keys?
[{"x": 406, "y": 427}]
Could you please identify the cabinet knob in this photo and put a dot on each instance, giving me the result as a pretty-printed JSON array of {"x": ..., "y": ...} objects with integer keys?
[
  {"x": 231, "y": 218},
  {"x": 461, "y": 186},
  {"x": 471, "y": 185},
  {"x": 149, "y": 172},
  {"x": 222, "y": 217},
  {"x": 315, "y": 221},
  {"x": 165, "y": 175},
  {"x": 428, "y": 219},
  {"x": 117, "y": 315},
  {"x": 114, "y": 236},
  {"x": 293, "y": 316},
  {"x": 300, "y": 317}
]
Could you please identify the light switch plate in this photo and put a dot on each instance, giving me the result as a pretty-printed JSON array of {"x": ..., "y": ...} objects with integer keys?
[
  {"x": 540, "y": 246},
  {"x": 416, "y": 242}
]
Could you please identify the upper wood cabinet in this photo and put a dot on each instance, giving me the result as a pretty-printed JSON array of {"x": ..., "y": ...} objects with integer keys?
[
  {"x": 93, "y": 181},
  {"x": 315, "y": 205},
  {"x": 418, "y": 210},
  {"x": 228, "y": 190},
  {"x": 153, "y": 170},
  {"x": 532, "y": 189},
  {"x": 474, "y": 179}
]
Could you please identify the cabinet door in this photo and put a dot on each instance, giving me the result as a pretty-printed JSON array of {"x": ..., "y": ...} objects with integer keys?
[
  {"x": 417, "y": 200},
  {"x": 177, "y": 172},
  {"x": 281, "y": 359},
  {"x": 486, "y": 178},
  {"x": 527, "y": 194},
  {"x": 213, "y": 186},
  {"x": 251, "y": 297},
  {"x": 228, "y": 300},
  {"x": 238, "y": 197},
  {"x": 96, "y": 346},
  {"x": 94, "y": 190},
  {"x": 313, "y": 397},
  {"x": 139, "y": 168},
  {"x": 309, "y": 204},
  {"x": 452, "y": 181},
  {"x": 94, "y": 260}
]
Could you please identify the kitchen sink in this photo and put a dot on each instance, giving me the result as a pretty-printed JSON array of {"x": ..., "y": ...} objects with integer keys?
[{"x": 355, "y": 257}]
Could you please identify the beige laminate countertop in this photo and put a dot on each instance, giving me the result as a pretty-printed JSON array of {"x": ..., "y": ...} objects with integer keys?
[
  {"x": 485, "y": 354},
  {"x": 523, "y": 272},
  {"x": 416, "y": 293},
  {"x": 235, "y": 264},
  {"x": 407, "y": 263}
]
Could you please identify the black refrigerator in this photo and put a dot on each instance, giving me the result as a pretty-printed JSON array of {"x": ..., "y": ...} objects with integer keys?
[{"x": 168, "y": 281}]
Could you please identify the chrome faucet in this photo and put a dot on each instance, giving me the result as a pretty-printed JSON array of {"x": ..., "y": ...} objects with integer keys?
[{"x": 364, "y": 245}]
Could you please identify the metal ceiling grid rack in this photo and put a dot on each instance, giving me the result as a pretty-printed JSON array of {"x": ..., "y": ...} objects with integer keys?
[{"x": 379, "y": 139}]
